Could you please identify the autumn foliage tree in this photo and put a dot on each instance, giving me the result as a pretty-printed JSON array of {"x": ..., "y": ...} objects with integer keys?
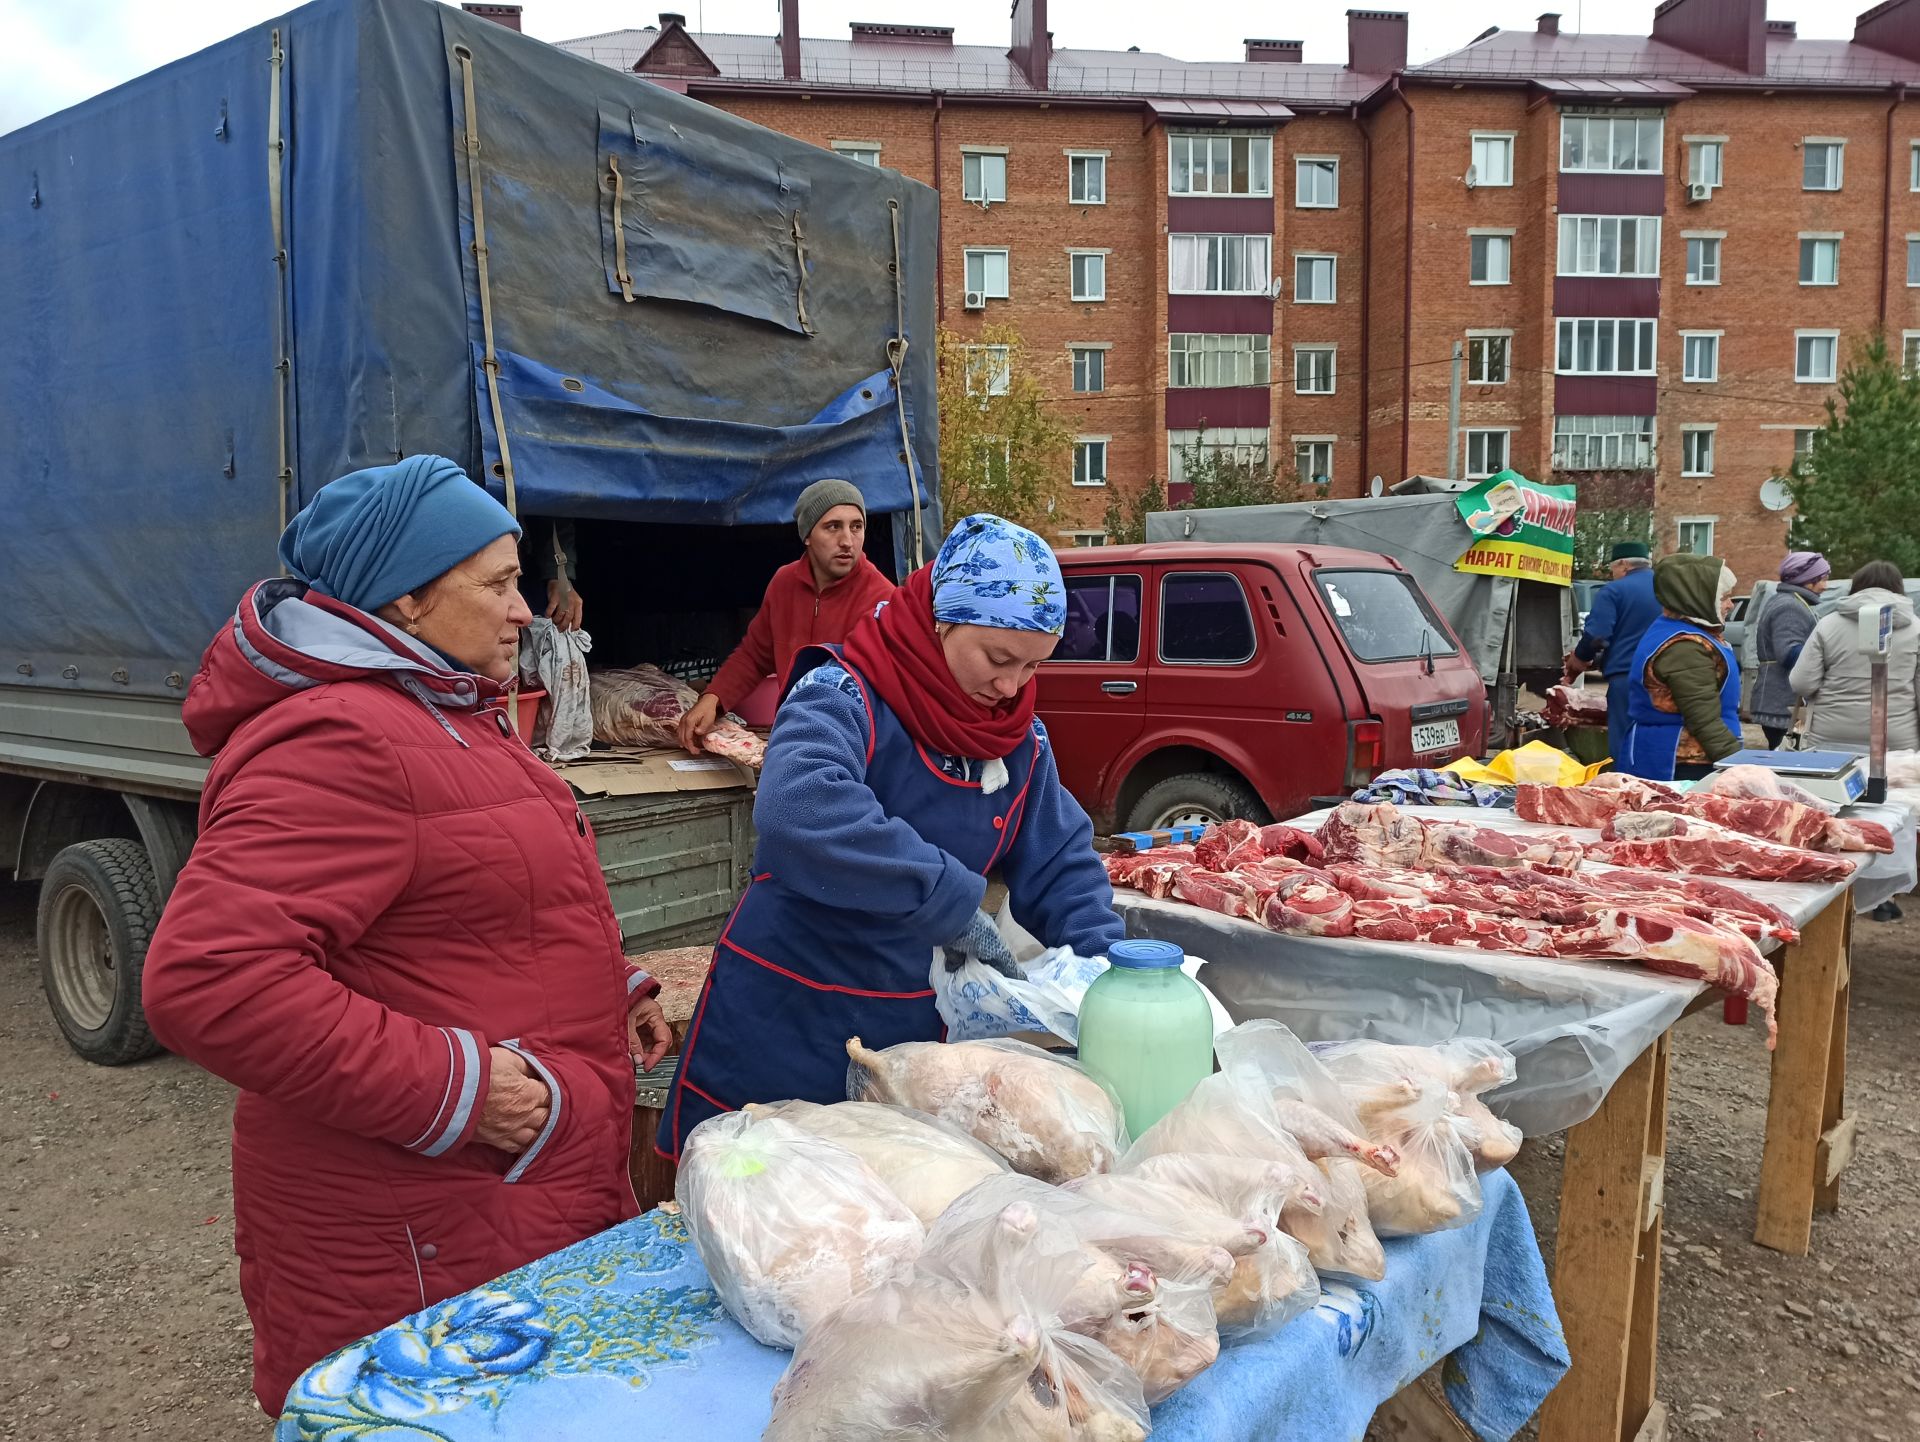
[
  {"x": 1002, "y": 449},
  {"x": 1858, "y": 490}
]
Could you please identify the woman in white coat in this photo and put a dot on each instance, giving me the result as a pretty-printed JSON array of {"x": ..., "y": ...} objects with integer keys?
[{"x": 1832, "y": 674}]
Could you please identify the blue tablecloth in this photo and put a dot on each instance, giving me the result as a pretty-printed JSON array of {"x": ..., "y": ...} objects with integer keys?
[{"x": 621, "y": 1336}]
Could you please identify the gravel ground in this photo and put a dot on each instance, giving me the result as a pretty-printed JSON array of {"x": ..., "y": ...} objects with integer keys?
[{"x": 118, "y": 1281}]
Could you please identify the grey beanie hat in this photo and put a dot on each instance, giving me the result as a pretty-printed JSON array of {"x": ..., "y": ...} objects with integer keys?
[{"x": 822, "y": 496}]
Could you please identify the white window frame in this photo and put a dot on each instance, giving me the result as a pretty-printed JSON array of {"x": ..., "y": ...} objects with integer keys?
[
  {"x": 1641, "y": 438},
  {"x": 995, "y": 362},
  {"x": 1680, "y": 524},
  {"x": 1073, "y": 274},
  {"x": 1087, "y": 155},
  {"x": 1818, "y": 238},
  {"x": 1301, "y": 203},
  {"x": 1686, "y": 354},
  {"x": 1490, "y": 233},
  {"x": 1659, "y": 147},
  {"x": 857, "y": 150},
  {"x": 1085, "y": 538},
  {"x": 1073, "y": 361},
  {"x": 1467, "y": 438},
  {"x": 1913, "y": 165},
  {"x": 1909, "y": 356},
  {"x": 1311, "y": 445},
  {"x": 1617, "y": 322},
  {"x": 1646, "y": 248},
  {"x": 1689, "y": 465},
  {"x": 1333, "y": 277},
  {"x": 1331, "y": 352},
  {"x": 1836, "y": 143},
  {"x": 985, "y": 252},
  {"x": 1084, "y": 446},
  {"x": 1203, "y": 241},
  {"x": 1717, "y": 238},
  {"x": 1505, "y": 337},
  {"x": 1812, "y": 433},
  {"x": 1224, "y": 346},
  {"x": 1508, "y": 138},
  {"x": 1696, "y": 145},
  {"x": 1834, "y": 353},
  {"x": 982, "y": 154},
  {"x": 1913, "y": 254},
  {"x": 1259, "y": 148},
  {"x": 1244, "y": 442}
]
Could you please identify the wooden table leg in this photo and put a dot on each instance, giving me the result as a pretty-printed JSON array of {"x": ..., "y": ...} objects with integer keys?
[
  {"x": 1606, "y": 1275},
  {"x": 1808, "y": 1140}
]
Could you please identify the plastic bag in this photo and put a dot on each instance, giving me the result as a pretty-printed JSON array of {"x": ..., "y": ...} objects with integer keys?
[
  {"x": 1307, "y": 1100},
  {"x": 1536, "y": 761},
  {"x": 788, "y": 1225},
  {"x": 977, "y": 1002},
  {"x": 640, "y": 706},
  {"x": 922, "y": 1160},
  {"x": 1043, "y": 1113},
  {"x": 556, "y": 661}
]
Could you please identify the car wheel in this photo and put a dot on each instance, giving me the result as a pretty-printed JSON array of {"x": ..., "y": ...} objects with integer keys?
[
  {"x": 1199, "y": 798},
  {"x": 99, "y": 904}
]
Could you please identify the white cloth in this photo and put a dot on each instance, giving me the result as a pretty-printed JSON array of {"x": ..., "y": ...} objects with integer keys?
[{"x": 558, "y": 660}]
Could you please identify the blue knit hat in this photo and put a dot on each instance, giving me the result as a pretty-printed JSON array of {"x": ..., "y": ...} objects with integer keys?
[
  {"x": 993, "y": 573},
  {"x": 372, "y": 536}
]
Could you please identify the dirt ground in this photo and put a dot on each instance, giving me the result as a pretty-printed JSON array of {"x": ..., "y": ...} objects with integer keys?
[{"x": 117, "y": 1276}]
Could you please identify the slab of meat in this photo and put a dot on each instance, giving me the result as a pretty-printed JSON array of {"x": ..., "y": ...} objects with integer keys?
[
  {"x": 1664, "y": 941},
  {"x": 1448, "y": 926},
  {"x": 1248, "y": 853},
  {"x": 1695, "y": 896},
  {"x": 1464, "y": 844},
  {"x": 1221, "y": 891},
  {"x": 736, "y": 743},
  {"x": 1380, "y": 834},
  {"x": 1847, "y": 833},
  {"x": 1574, "y": 706},
  {"x": 1589, "y": 805},
  {"x": 1308, "y": 903},
  {"x": 1124, "y": 866},
  {"x": 1212, "y": 848},
  {"x": 1284, "y": 840},
  {"x": 1666, "y": 841},
  {"x": 1786, "y": 822}
]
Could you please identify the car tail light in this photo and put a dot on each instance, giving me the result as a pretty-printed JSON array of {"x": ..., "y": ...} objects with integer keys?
[{"x": 1366, "y": 751}]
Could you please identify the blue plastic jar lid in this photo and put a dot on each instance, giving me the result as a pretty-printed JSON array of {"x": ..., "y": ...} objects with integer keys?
[{"x": 1143, "y": 953}]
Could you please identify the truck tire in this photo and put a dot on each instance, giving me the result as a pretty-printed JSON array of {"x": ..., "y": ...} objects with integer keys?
[
  {"x": 1195, "y": 799},
  {"x": 99, "y": 904}
]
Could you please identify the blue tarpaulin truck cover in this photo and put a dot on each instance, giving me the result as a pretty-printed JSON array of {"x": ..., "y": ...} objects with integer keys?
[{"x": 691, "y": 317}]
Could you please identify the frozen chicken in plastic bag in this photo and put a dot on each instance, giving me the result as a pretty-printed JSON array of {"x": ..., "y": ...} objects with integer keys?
[
  {"x": 922, "y": 1160},
  {"x": 1341, "y": 1236},
  {"x": 1467, "y": 1067},
  {"x": 789, "y": 1225},
  {"x": 1307, "y": 1100},
  {"x": 1044, "y": 1114},
  {"x": 1227, "y": 1115}
]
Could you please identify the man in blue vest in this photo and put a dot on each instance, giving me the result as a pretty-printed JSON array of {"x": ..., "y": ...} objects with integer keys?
[{"x": 1620, "y": 616}]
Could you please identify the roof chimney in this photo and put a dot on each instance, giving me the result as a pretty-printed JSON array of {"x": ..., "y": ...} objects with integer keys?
[
  {"x": 1283, "y": 52},
  {"x": 1728, "y": 32},
  {"x": 668, "y": 20},
  {"x": 1549, "y": 23},
  {"x": 790, "y": 39},
  {"x": 1892, "y": 28},
  {"x": 1032, "y": 47},
  {"x": 1376, "y": 41},
  {"x": 507, "y": 15}
]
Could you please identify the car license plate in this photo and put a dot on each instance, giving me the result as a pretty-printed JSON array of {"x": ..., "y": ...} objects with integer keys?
[{"x": 1435, "y": 736}]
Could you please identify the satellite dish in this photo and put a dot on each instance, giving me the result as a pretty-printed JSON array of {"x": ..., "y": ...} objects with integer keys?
[
  {"x": 1774, "y": 494},
  {"x": 1377, "y": 487}
]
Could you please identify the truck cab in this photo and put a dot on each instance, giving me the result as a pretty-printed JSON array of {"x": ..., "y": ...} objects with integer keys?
[{"x": 1199, "y": 681}]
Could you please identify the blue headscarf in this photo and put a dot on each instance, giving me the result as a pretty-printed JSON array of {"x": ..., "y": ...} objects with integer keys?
[
  {"x": 993, "y": 573},
  {"x": 372, "y": 536}
]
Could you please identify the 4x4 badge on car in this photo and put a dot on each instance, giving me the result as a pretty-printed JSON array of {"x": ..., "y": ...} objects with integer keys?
[{"x": 1299, "y": 715}]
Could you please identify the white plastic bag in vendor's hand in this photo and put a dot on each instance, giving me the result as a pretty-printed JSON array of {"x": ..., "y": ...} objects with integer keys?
[{"x": 976, "y": 1001}]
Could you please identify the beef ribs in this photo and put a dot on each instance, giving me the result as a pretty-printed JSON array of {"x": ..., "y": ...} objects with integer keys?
[
  {"x": 1224, "y": 892},
  {"x": 1380, "y": 834},
  {"x": 1667, "y": 841}
]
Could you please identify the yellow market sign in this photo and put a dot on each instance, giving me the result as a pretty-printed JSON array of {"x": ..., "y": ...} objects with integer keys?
[{"x": 1522, "y": 529}]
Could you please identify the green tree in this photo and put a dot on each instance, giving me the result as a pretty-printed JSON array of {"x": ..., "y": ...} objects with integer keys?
[
  {"x": 1219, "y": 477},
  {"x": 1610, "y": 506},
  {"x": 1858, "y": 491},
  {"x": 1002, "y": 449}
]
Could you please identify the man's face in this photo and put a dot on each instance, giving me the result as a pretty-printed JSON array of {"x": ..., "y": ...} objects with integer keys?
[{"x": 835, "y": 542}]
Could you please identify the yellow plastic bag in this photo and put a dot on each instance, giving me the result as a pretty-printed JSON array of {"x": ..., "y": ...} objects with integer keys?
[{"x": 1536, "y": 762}]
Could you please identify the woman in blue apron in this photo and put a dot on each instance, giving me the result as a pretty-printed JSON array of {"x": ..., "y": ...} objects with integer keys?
[
  {"x": 1685, "y": 682},
  {"x": 903, "y": 767}
]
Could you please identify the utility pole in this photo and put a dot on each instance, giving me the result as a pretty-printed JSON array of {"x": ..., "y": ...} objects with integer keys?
[{"x": 1453, "y": 417}]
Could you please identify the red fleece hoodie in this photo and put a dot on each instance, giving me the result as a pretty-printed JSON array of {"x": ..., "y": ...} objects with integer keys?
[{"x": 792, "y": 615}]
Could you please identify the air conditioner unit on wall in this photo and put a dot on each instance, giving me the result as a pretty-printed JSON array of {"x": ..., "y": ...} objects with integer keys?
[
  {"x": 1699, "y": 190},
  {"x": 974, "y": 300}
]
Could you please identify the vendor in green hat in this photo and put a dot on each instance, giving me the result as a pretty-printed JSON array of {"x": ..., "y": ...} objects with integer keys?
[{"x": 1620, "y": 616}]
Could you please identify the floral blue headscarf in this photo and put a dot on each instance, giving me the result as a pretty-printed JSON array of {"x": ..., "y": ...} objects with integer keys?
[{"x": 993, "y": 573}]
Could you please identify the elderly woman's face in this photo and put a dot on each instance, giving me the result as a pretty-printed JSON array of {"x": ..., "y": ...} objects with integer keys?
[
  {"x": 992, "y": 664},
  {"x": 474, "y": 612}
]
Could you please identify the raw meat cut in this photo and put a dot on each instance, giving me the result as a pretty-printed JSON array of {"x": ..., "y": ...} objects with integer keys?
[
  {"x": 736, "y": 743},
  {"x": 1665, "y": 841},
  {"x": 1284, "y": 840},
  {"x": 789, "y": 1225},
  {"x": 1463, "y": 844},
  {"x": 1589, "y": 805},
  {"x": 1377, "y": 835},
  {"x": 1044, "y": 1115},
  {"x": 1123, "y": 866},
  {"x": 1849, "y": 833},
  {"x": 1697, "y": 896},
  {"x": 1574, "y": 706},
  {"x": 1220, "y": 891},
  {"x": 640, "y": 706},
  {"x": 1247, "y": 853},
  {"x": 1212, "y": 848},
  {"x": 1666, "y": 941},
  {"x": 923, "y": 1161},
  {"x": 1308, "y": 903},
  {"x": 1448, "y": 926},
  {"x": 1380, "y": 834}
]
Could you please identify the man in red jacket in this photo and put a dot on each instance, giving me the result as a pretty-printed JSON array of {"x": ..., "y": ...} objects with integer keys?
[{"x": 814, "y": 600}]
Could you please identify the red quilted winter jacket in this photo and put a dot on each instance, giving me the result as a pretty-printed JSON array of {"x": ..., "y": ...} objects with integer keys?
[{"x": 387, "y": 882}]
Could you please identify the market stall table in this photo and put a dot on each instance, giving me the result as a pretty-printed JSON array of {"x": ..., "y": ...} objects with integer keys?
[{"x": 621, "y": 1336}]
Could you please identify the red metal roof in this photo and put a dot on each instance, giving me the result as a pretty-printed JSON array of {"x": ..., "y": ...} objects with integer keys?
[{"x": 1528, "y": 55}]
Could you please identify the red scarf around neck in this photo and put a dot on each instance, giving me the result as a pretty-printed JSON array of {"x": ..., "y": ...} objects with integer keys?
[{"x": 898, "y": 653}]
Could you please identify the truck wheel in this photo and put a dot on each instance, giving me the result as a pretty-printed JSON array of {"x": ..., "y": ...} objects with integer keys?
[
  {"x": 1199, "y": 798},
  {"x": 99, "y": 904}
]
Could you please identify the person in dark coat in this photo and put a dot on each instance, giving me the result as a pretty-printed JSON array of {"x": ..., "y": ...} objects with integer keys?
[
  {"x": 903, "y": 767},
  {"x": 1620, "y": 616},
  {"x": 1685, "y": 681},
  {"x": 1780, "y": 632}
]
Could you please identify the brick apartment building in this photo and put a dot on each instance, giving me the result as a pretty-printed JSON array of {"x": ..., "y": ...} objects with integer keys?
[{"x": 1655, "y": 251}]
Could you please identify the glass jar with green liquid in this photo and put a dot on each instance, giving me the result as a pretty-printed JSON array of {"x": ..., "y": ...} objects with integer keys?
[{"x": 1146, "y": 1030}]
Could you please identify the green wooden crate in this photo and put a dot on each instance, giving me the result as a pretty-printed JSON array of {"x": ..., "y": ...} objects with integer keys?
[{"x": 674, "y": 864}]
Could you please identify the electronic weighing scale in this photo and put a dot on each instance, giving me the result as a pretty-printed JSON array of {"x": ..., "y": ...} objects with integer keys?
[{"x": 1836, "y": 776}]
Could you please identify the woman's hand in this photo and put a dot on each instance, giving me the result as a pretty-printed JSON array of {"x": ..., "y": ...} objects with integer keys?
[
  {"x": 517, "y": 1103},
  {"x": 648, "y": 1035}
]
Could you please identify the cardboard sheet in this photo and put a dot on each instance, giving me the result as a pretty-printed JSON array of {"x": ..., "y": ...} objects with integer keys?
[{"x": 635, "y": 771}]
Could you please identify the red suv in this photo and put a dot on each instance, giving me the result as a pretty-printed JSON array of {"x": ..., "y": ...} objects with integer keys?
[{"x": 1198, "y": 681}]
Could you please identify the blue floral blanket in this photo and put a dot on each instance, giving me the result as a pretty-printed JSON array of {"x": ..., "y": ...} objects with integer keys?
[{"x": 621, "y": 1336}]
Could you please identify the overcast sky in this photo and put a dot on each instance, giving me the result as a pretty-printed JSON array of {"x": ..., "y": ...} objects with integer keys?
[{"x": 56, "y": 52}]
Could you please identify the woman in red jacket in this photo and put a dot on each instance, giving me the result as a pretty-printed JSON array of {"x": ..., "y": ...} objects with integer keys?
[{"x": 393, "y": 935}]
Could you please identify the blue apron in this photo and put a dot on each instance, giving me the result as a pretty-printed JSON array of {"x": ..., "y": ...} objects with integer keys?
[
  {"x": 1653, "y": 749},
  {"x": 792, "y": 979}
]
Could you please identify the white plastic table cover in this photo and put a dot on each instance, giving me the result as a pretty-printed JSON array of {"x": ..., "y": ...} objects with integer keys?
[{"x": 1572, "y": 1024}]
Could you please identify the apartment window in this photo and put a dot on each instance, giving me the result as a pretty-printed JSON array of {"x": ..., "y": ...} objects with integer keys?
[
  {"x": 1486, "y": 453},
  {"x": 1487, "y": 358},
  {"x": 1913, "y": 166},
  {"x": 1696, "y": 450},
  {"x": 1819, "y": 260},
  {"x": 987, "y": 273},
  {"x": 1704, "y": 162},
  {"x": 1089, "y": 274},
  {"x": 1490, "y": 259},
  {"x": 1089, "y": 368},
  {"x": 1085, "y": 538},
  {"x": 1913, "y": 260},
  {"x": 989, "y": 369},
  {"x": 1243, "y": 445},
  {"x": 865, "y": 153},
  {"x": 1316, "y": 182},
  {"x": 1492, "y": 159},
  {"x": 1605, "y": 347},
  {"x": 1313, "y": 460},
  {"x": 1910, "y": 351},
  {"x": 1805, "y": 438},
  {"x": 1609, "y": 245},
  {"x": 1703, "y": 260},
  {"x": 1090, "y": 461},
  {"x": 983, "y": 177},
  {"x": 1313, "y": 279},
  {"x": 1220, "y": 264},
  {"x": 1220, "y": 165},
  {"x": 1696, "y": 535},
  {"x": 1820, "y": 163},
  {"x": 1313, "y": 370},
  {"x": 1700, "y": 355},
  {"x": 1219, "y": 360},
  {"x": 1610, "y": 143},
  {"x": 1816, "y": 356},
  {"x": 1087, "y": 178},
  {"x": 1602, "y": 443}
]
